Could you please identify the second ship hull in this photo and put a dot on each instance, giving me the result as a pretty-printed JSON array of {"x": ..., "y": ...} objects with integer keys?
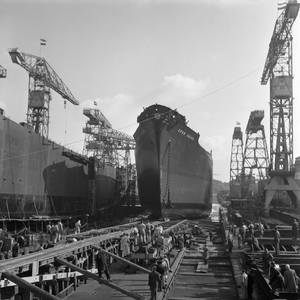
[{"x": 174, "y": 172}]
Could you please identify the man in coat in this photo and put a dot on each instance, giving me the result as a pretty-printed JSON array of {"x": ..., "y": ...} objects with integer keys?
[
  {"x": 125, "y": 245},
  {"x": 153, "y": 282},
  {"x": 250, "y": 282},
  {"x": 295, "y": 229},
  {"x": 290, "y": 280},
  {"x": 102, "y": 265},
  {"x": 205, "y": 254},
  {"x": 267, "y": 257},
  {"x": 277, "y": 240}
]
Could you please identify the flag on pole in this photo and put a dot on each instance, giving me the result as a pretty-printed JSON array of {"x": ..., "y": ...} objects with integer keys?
[
  {"x": 238, "y": 123},
  {"x": 43, "y": 42},
  {"x": 95, "y": 103}
]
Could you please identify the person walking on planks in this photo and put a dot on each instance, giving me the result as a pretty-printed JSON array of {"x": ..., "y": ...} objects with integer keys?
[
  {"x": 267, "y": 257},
  {"x": 277, "y": 240},
  {"x": 230, "y": 242},
  {"x": 295, "y": 228},
  {"x": 77, "y": 227},
  {"x": 153, "y": 282},
  {"x": 290, "y": 280},
  {"x": 102, "y": 265},
  {"x": 205, "y": 254},
  {"x": 60, "y": 230},
  {"x": 125, "y": 245},
  {"x": 250, "y": 282},
  {"x": 244, "y": 284}
]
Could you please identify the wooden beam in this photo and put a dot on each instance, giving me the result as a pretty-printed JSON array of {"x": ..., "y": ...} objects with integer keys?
[
  {"x": 29, "y": 287},
  {"x": 95, "y": 277},
  {"x": 123, "y": 260},
  {"x": 283, "y": 241}
]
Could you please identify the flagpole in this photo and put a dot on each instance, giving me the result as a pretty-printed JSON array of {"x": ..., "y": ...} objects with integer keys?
[{"x": 42, "y": 43}]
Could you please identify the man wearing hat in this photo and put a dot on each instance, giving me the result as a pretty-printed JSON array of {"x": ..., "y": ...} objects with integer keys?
[{"x": 153, "y": 281}]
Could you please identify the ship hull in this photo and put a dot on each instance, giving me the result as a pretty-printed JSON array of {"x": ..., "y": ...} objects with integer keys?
[
  {"x": 174, "y": 172},
  {"x": 41, "y": 178}
]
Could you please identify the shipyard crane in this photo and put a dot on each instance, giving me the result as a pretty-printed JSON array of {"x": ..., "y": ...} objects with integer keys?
[
  {"x": 42, "y": 78},
  {"x": 108, "y": 147},
  {"x": 236, "y": 163},
  {"x": 103, "y": 142},
  {"x": 278, "y": 68},
  {"x": 2, "y": 72},
  {"x": 255, "y": 158}
]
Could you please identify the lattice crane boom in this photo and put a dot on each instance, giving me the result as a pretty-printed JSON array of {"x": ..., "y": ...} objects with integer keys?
[
  {"x": 280, "y": 42},
  {"x": 102, "y": 140},
  {"x": 279, "y": 69},
  {"x": 38, "y": 67}
]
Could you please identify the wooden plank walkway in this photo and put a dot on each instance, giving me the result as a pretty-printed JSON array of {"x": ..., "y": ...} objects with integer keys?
[{"x": 201, "y": 268}]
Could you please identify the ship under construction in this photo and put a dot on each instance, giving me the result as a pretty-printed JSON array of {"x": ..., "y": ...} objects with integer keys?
[{"x": 41, "y": 180}]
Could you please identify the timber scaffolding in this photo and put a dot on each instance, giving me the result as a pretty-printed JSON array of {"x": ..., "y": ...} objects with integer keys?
[
  {"x": 66, "y": 270},
  {"x": 56, "y": 272},
  {"x": 289, "y": 251},
  {"x": 59, "y": 272}
]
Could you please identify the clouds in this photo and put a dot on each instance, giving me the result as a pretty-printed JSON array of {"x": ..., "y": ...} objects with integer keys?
[
  {"x": 215, "y": 143},
  {"x": 175, "y": 90}
]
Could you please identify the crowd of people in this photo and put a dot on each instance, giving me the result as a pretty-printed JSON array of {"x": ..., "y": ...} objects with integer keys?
[{"x": 280, "y": 278}]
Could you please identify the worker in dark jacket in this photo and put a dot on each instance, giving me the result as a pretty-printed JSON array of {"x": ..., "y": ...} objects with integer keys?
[
  {"x": 254, "y": 244},
  {"x": 102, "y": 265},
  {"x": 295, "y": 229},
  {"x": 277, "y": 240},
  {"x": 162, "y": 270},
  {"x": 267, "y": 257},
  {"x": 250, "y": 284},
  {"x": 153, "y": 282}
]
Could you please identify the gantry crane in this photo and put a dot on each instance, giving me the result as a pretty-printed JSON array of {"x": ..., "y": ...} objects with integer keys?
[
  {"x": 255, "y": 158},
  {"x": 236, "y": 163},
  {"x": 108, "y": 146},
  {"x": 42, "y": 78},
  {"x": 279, "y": 69},
  {"x": 105, "y": 143}
]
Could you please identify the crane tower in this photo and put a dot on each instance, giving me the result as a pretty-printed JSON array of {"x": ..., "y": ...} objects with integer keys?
[
  {"x": 42, "y": 78},
  {"x": 105, "y": 143},
  {"x": 236, "y": 163},
  {"x": 278, "y": 68},
  {"x": 255, "y": 158},
  {"x": 108, "y": 147}
]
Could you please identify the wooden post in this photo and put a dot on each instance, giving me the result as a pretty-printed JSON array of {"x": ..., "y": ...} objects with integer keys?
[
  {"x": 95, "y": 277},
  {"x": 123, "y": 260},
  {"x": 29, "y": 287}
]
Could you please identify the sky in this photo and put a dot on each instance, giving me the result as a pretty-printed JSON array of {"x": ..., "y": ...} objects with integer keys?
[{"x": 202, "y": 57}]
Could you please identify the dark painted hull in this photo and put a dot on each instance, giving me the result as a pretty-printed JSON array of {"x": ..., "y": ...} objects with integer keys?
[
  {"x": 174, "y": 172},
  {"x": 41, "y": 178}
]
